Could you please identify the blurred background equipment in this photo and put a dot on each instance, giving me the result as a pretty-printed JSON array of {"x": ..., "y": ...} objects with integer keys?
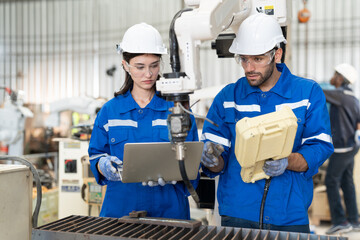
[
  {"x": 12, "y": 121},
  {"x": 304, "y": 14},
  {"x": 91, "y": 192},
  {"x": 71, "y": 178},
  {"x": 84, "y": 105}
]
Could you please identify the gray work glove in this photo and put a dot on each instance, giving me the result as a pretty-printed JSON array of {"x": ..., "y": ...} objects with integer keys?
[
  {"x": 160, "y": 182},
  {"x": 275, "y": 168},
  {"x": 211, "y": 153},
  {"x": 111, "y": 168},
  {"x": 357, "y": 137}
]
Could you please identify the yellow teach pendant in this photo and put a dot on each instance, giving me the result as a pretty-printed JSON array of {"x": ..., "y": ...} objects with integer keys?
[{"x": 269, "y": 136}]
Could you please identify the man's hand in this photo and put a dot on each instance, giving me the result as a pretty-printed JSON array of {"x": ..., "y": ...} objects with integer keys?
[
  {"x": 211, "y": 153},
  {"x": 275, "y": 168},
  {"x": 110, "y": 167},
  {"x": 160, "y": 182},
  {"x": 297, "y": 163}
]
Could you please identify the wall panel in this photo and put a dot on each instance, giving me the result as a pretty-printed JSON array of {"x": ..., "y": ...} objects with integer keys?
[{"x": 53, "y": 49}]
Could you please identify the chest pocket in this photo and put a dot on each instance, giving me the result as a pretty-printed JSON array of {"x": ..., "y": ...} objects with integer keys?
[
  {"x": 160, "y": 134},
  {"x": 117, "y": 139},
  {"x": 231, "y": 118}
]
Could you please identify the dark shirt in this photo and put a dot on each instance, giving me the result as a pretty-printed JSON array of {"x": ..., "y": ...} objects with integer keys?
[{"x": 344, "y": 116}]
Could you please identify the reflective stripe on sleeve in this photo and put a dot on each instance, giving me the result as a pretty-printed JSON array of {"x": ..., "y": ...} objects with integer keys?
[
  {"x": 215, "y": 138},
  {"x": 323, "y": 137},
  {"x": 343, "y": 150},
  {"x": 347, "y": 92},
  {"x": 242, "y": 108},
  {"x": 159, "y": 122},
  {"x": 302, "y": 103},
  {"x": 118, "y": 123}
]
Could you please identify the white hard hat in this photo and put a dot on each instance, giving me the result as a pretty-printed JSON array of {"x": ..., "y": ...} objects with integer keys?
[
  {"x": 142, "y": 38},
  {"x": 257, "y": 34},
  {"x": 348, "y": 71}
]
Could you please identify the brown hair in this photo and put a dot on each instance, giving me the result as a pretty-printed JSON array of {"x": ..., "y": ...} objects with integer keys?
[{"x": 128, "y": 83}]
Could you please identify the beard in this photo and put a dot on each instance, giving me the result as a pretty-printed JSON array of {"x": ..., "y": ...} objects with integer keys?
[{"x": 261, "y": 78}]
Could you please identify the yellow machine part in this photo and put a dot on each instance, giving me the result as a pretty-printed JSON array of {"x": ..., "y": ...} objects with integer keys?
[{"x": 269, "y": 136}]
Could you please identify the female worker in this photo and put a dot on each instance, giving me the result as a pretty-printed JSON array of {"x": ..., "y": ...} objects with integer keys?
[{"x": 136, "y": 114}]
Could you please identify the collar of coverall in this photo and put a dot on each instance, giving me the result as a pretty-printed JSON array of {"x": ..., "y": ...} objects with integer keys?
[
  {"x": 281, "y": 88},
  {"x": 128, "y": 103}
]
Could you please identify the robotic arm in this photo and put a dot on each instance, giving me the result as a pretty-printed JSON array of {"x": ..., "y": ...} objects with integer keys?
[
  {"x": 12, "y": 121},
  {"x": 204, "y": 21},
  {"x": 85, "y": 105}
]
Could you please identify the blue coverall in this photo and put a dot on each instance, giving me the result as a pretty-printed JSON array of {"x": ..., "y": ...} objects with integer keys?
[
  {"x": 121, "y": 121},
  {"x": 291, "y": 193}
]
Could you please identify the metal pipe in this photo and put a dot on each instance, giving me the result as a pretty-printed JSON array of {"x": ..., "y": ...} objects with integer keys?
[
  {"x": 333, "y": 35},
  {"x": 72, "y": 47},
  {"x": 98, "y": 48},
  {"x": 47, "y": 51},
  {"x": 41, "y": 77},
  {"x": 34, "y": 45},
  {"x": 4, "y": 56},
  {"x": 66, "y": 47},
  {"x": 15, "y": 49},
  {"x": 60, "y": 43},
  {"x": 93, "y": 41},
  {"x": 298, "y": 43},
  {"x": 28, "y": 49},
  {"x": 22, "y": 47},
  {"x": 79, "y": 54}
]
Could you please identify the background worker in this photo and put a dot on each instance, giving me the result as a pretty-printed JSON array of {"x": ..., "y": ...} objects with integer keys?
[
  {"x": 266, "y": 87},
  {"x": 136, "y": 114},
  {"x": 344, "y": 118}
]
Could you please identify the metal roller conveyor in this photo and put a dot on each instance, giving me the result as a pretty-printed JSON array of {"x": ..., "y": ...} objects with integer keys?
[{"x": 101, "y": 228}]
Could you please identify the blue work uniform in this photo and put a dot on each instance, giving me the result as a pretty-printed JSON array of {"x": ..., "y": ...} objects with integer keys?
[
  {"x": 121, "y": 121},
  {"x": 291, "y": 193}
]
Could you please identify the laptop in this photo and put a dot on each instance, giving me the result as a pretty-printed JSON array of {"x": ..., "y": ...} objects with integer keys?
[{"x": 144, "y": 162}]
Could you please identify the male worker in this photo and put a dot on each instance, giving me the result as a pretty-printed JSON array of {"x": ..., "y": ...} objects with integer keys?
[
  {"x": 344, "y": 118},
  {"x": 266, "y": 87}
]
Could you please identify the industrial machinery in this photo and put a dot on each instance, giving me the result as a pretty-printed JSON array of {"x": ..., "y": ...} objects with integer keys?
[
  {"x": 79, "y": 106},
  {"x": 91, "y": 192},
  {"x": 84, "y": 105},
  {"x": 71, "y": 153},
  {"x": 12, "y": 122},
  {"x": 98, "y": 228},
  {"x": 15, "y": 202},
  {"x": 16, "y": 185},
  {"x": 205, "y": 20}
]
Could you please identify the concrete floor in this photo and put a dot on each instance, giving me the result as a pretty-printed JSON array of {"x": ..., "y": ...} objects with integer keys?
[{"x": 324, "y": 226}]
